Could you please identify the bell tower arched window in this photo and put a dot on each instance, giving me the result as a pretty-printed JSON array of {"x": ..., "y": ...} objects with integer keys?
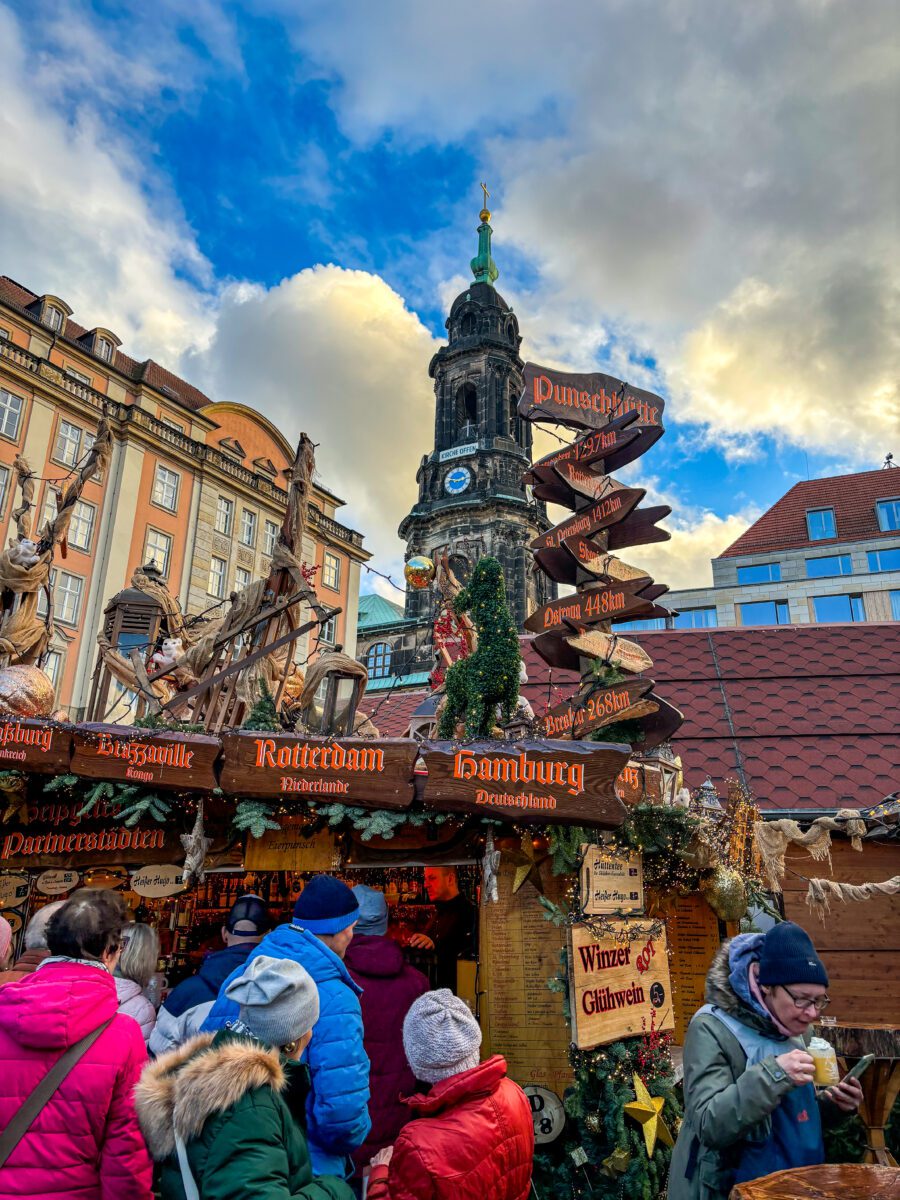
[
  {"x": 467, "y": 325},
  {"x": 466, "y": 412}
]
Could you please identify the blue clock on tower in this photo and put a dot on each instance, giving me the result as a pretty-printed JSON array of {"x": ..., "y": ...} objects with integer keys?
[{"x": 457, "y": 480}]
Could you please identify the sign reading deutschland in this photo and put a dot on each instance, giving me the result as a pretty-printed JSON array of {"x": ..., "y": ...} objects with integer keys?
[
  {"x": 376, "y": 774},
  {"x": 584, "y": 401}
]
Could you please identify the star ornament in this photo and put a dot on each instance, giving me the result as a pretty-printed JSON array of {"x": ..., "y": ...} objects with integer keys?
[
  {"x": 648, "y": 1110},
  {"x": 528, "y": 865}
]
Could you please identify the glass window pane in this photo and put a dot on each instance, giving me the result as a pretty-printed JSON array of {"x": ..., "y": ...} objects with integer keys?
[
  {"x": 895, "y": 606},
  {"x": 856, "y": 608},
  {"x": 838, "y": 608},
  {"x": 10, "y": 412},
  {"x": 820, "y": 524},
  {"x": 649, "y": 623},
  {"x": 52, "y": 665},
  {"x": 68, "y": 443},
  {"x": 271, "y": 536},
  {"x": 241, "y": 578},
  {"x": 248, "y": 527},
  {"x": 831, "y": 564},
  {"x": 67, "y": 597},
  {"x": 331, "y": 571},
  {"x": 165, "y": 488},
  {"x": 884, "y": 560},
  {"x": 224, "y": 515},
  {"x": 328, "y": 632},
  {"x": 158, "y": 549},
  {"x": 695, "y": 618},
  {"x": 760, "y": 573},
  {"x": 378, "y": 660},
  {"x": 81, "y": 527},
  {"x": 217, "y": 569},
  {"x": 888, "y": 513},
  {"x": 765, "y": 612},
  {"x": 5, "y": 475}
]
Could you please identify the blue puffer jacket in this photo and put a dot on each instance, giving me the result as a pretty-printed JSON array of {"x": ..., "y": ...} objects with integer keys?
[
  {"x": 187, "y": 1004},
  {"x": 337, "y": 1113}
]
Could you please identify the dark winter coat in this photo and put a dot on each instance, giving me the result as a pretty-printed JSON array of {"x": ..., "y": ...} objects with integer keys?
[
  {"x": 225, "y": 1096},
  {"x": 24, "y": 965},
  {"x": 186, "y": 1006},
  {"x": 389, "y": 988},
  {"x": 726, "y": 1103},
  {"x": 473, "y": 1140}
]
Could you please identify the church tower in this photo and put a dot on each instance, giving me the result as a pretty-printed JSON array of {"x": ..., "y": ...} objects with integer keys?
[{"x": 472, "y": 501}]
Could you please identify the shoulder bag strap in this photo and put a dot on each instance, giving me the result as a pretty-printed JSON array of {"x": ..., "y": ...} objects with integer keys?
[
  {"x": 44, "y": 1092},
  {"x": 188, "y": 1182}
]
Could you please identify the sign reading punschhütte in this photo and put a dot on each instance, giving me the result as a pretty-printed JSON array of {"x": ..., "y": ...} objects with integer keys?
[
  {"x": 584, "y": 401},
  {"x": 618, "y": 988},
  {"x": 545, "y": 781},
  {"x": 157, "y": 758},
  {"x": 611, "y": 509},
  {"x": 373, "y": 774},
  {"x": 33, "y": 745},
  {"x": 584, "y": 713},
  {"x": 593, "y": 604}
]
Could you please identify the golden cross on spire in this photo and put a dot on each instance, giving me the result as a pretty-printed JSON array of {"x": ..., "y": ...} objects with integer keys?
[{"x": 485, "y": 212}]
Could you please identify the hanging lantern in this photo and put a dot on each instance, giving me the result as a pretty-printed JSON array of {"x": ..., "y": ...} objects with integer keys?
[{"x": 707, "y": 802}]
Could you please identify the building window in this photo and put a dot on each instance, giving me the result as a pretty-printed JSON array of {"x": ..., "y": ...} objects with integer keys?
[
  {"x": 52, "y": 317},
  {"x": 838, "y": 608},
  {"x": 329, "y": 631},
  {"x": 248, "y": 527},
  {"x": 66, "y": 589},
  {"x": 378, "y": 660},
  {"x": 831, "y": 564},
  {"x": 888, "y": 514},
  {"x": 695, "y": 618},
  {"x": 879, "y": 560},
  {"x": 761, "y": 573},
  {"x": 331, "y": 571},
  {"x": 104, "y": 349},
  {"x": 649, "y": 623},
  {"x": 170, "y": 424},
  {"x": 10, "y": 414},
  {"x": 224, "y": 515},
  {"x": 158, "y": 549},
  {"x": 78, "y": 376},
  {"x": 820, "y": 524},
  {"x": 5, "y": 476},
  {"x": 67, "y": 446},
  {"x": 895, "y": 606},
  {"x": 81, "y": 527},
  {"x": 241, "y": 578},
  {"x": 764, "y": 612},
  {"x": 165, "y": 488},
  {"x": 270, "y": 537},
  {"x": 4, "y": 335},
  {"x": 53, "y": 667},
  {"x": 217, "y": 570}
]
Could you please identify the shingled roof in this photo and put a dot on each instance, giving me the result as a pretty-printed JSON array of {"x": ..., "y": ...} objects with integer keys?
[
  {"x": 852, "y": 497},
  {"x": 806, "y": 714},
  {"x": 149, "y": 371}
]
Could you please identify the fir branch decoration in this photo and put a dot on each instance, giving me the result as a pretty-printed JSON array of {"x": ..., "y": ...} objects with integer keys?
[
  {"x": 263, "y": 715},
  {"x": 135, "y": 804},
  {"x": 256, "y": 816}
]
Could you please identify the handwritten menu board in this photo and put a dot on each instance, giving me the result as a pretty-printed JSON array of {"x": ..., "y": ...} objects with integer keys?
[
  {"x": 693, "y": 930},
  {"x": 521, "y": 1018}
]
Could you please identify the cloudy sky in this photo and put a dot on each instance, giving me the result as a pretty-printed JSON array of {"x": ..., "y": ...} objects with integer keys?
[{"x": 279, "y": 200}]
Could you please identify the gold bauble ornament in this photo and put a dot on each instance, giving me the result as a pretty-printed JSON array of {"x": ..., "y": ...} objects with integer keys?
[
  {"x": 26, "y": 691},
  {"x": 648, "y": 1110},
  {"x": 592, "y": 1122},
  {"x": 419, "y": 572},
  {"x": 725, "y": 893}
]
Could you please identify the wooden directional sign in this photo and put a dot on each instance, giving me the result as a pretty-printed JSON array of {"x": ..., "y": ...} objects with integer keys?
[
  {"x": 34, "y": 745},
  {"x": 373, "y": 774},
  {"x": 659, "y": 726},
  {"x": 594, "y": 446},
  {"x": 566, "y": 652},
  {"x": 584, "y": 401},
  {"x": 606, "y": 512},
  {"x": 153, "y": 757},
  {"x": 638, "y": 528},
  {"x": 586, "y": 482},
  {"x": 618, "y": 602},
  {"x": 593, "y": 558},
  {"x": 593, "y": 708},
  {"x": 544, "y": 781}
]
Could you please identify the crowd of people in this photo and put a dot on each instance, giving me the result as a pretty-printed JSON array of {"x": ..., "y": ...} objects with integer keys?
[{"x": 312, "y": 1061}]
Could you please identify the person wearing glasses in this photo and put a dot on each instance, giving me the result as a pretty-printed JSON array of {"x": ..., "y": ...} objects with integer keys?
[{"x": 750, "y": 1106}]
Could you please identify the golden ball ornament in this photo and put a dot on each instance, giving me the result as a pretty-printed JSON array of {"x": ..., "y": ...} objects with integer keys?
[
  {"x": 419, "y": 572},
  {"x": 26, "y": 691},
  {"x": 725, "y": 893}
]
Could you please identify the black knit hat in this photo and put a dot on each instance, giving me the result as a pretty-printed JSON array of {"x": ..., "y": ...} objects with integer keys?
[{"x": 788, "y": 956}]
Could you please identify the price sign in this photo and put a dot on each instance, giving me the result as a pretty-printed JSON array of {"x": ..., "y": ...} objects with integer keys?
[{"x": 547, "y": 1113}]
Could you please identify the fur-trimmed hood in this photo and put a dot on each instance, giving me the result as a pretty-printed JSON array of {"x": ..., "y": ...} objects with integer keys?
[
  {"x": 730, "y": 964},
  {"x": 180, "y": 1091}
]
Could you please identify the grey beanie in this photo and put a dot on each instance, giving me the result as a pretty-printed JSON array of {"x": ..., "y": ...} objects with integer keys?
[
  {"x": 278, "y": 999},
  {"x": 440, "y": 1036},
  {"x": 373, "y": 911}
]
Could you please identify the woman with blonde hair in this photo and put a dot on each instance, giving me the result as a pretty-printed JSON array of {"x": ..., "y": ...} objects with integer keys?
[{"x": 140, "y": 952}]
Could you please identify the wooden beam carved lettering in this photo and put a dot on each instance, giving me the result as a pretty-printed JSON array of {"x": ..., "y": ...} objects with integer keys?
[
  {"x": 153, "y": 757},
  {"x": 28, "y": 744},
  {"x": 584, "y": 401}
]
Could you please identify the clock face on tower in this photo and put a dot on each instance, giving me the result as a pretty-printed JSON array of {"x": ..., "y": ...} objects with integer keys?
[{"x": 457, "y": 480}]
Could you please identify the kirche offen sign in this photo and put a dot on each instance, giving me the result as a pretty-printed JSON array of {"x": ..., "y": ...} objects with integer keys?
[
  {"x": 543, "y": 781},
  {"x": 374, "y": 774},
  {"x": 34, "y": 745},
  {"x": 584, "y": 401},
  {"x": 156, "y": 758},
  {"x": 619, "y": 988}
]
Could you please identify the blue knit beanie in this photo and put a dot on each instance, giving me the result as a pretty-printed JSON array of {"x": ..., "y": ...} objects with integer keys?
[
  {"x": 373, "y": 911},
  {"x": 787, "y": 956},
  {"x": 326, "y": 906}
]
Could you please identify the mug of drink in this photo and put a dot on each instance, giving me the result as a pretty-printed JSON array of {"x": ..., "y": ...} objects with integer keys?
[{"x": 826, "y": 1062}]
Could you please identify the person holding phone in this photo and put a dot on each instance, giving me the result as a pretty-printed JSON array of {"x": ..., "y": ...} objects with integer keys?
[{"x": 750, "y": 1105}]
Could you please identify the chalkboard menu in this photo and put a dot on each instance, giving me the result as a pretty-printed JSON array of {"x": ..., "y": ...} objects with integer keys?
[{"x": 519, "y": 951}]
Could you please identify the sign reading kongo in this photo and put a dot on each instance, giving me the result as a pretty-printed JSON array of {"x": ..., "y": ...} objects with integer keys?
[
  {"x": 377, "y": 774},
  {"x": 618, "y": 988}
]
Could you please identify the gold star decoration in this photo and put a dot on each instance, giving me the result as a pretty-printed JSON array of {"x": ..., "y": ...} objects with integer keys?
[
  {"x": 648, "y": 1110},
  {"x": 528, "y": 864}
]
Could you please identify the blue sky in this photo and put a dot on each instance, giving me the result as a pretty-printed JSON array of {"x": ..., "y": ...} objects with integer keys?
[{"x": 704, "y": 205}]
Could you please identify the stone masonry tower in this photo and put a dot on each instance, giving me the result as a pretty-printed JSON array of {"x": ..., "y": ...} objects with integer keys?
[{"x": 472, "y": 501}]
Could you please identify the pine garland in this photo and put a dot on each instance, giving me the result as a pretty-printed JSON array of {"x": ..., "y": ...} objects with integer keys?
[{"x": 256, "y": 815}]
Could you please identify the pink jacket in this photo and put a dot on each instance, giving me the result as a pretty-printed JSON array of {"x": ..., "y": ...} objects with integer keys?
[
  {"x": 86, "y": 1144},
  {"x": 133, "y": 1003}
]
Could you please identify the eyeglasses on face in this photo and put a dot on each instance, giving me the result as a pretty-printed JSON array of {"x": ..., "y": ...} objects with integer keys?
[{"x": 803, "y": 1002}]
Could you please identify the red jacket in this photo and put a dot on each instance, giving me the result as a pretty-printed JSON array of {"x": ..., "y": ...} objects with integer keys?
[
  {"x": 85, "y": 1144},
  {"x": 474, "y": 1141}
]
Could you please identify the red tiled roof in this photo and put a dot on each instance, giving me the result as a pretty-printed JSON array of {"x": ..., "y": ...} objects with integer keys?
[
  {"x": 148, "y": 371},
  {"x": 852, "y": 497},
  {"x": 806, "y": 713}
]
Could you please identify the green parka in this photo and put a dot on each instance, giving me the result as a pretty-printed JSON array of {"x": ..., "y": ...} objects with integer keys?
[
  {"x": 232, "y": 1100},
  {"x": 726, "y": 1102}
]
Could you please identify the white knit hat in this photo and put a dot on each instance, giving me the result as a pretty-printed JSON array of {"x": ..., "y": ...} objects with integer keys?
[
  {"x": 440, "y": 1036},
  {"x": 278, "y": 998}
]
